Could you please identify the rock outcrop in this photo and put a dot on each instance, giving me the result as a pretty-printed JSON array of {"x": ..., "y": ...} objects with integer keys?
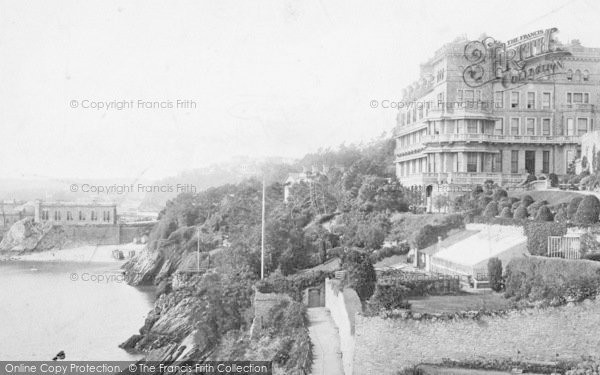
[{"x": 25, "y": 235}]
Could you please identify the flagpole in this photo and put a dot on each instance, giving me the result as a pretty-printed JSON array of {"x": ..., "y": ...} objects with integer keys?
[
  {"x": 262, "y": 242},
  {"x": 198, "y": 251}
]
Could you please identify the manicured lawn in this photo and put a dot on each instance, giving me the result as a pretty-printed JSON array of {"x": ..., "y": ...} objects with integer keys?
[
  {"x": 462, "y": 302},
  {"x": 553, "y": 197},
  {"x": 439, "y": 370}
]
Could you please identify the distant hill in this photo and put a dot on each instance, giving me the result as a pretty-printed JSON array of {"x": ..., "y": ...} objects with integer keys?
[{"x": 231, "y": 172}]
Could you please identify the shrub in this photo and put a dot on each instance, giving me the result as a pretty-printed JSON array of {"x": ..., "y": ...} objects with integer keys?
[
  {"x": 534, "y": 207},
  {"x": 495, "y": 274},
  {"x": 389, "y": 297},
  {"x": 386, "y": 252},
  {"x": 530, "y": 178},
  {"x": 537, "y": 235},
  {"x": 594, "y": 256},
  {"x": 588, "y": 210},
  {"x": 504, "y": 202},
  {"x": 293, "y": 285},
  {"x": 520, "y": 213},
  {"x": 538, "y": 278},
  {"x": 544, "y": 214},
  {"x": 483, "y": 201},
  {"x": 499, "y": 194},
  {"x": 506, "y": 213},
  {"x": 526, "y": 200},
  {"x": 491, "y": 210},
  {"x": 561, "y": 215},
  {"x": 572, "y": 207},
  {"x": 553, "y": 179},
  {"x": 515, "y": 205}
]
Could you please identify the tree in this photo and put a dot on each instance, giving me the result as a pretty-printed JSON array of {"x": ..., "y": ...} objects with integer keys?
[
  {"x": 491, "y": 210},
  {"x": 363, "y": 278},
  {"x": 495, "y": 274},
  {"x": 521, "y": 213},
  {"x": 544, "y": 214},
  {"x": 440, "y": 202},
  {"x": 588, "y": 210}
]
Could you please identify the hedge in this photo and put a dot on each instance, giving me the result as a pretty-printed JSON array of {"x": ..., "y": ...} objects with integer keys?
[
  {"x": 539, "y": 278},
  {"x": 389, "y": 297},
  {"x": 537, "y": 235},
  {"x": 293, "y": 285}
]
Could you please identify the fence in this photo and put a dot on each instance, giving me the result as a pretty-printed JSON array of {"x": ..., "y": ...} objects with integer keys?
[{"x": 568, "y": 247}]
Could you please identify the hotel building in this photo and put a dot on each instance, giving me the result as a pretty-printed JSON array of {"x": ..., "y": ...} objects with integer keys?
[{"x": 509, "y": 110}]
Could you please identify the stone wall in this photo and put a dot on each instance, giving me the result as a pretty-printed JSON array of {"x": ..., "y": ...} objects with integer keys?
[
  {"x": 343, "y": 305},
  {"x": 383, "y": 346},
  {"x": 263, "y": 302}
]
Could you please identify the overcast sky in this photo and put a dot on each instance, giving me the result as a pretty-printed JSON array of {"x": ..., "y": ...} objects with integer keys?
[{"x": 270, "y": 78}]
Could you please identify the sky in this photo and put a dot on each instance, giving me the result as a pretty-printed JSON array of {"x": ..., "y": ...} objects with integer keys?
[{"x": 261, "y": 78}]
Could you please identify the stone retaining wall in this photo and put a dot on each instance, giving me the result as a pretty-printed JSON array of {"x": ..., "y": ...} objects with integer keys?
[
  {"x": 343, "y": 305},
  {"x": 383, "y": 346}
]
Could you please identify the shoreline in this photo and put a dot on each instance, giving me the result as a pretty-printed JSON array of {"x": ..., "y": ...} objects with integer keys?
[{"x": 81, "y": 254}]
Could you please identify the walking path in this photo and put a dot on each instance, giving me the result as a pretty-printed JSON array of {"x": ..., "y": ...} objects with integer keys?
[{"x": 327, "y": 356}]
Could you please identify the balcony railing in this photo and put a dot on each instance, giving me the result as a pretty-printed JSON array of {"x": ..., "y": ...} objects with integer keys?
[
  {"x": 463, "y": 178},
  {"x": 494, "y": 138},
  {"x": 578, "y": 107}
]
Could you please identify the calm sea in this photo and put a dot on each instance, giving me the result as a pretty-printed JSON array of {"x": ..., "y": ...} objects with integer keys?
[{"x": 86, "y": 310}]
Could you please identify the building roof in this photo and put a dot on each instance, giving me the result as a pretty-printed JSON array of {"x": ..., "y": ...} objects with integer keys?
[
  {"x": 489, "y": 242},
  {"x": 448, "y": 241}
]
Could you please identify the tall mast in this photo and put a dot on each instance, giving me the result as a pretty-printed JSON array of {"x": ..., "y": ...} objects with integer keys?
[{"x": 198, "y": 251}]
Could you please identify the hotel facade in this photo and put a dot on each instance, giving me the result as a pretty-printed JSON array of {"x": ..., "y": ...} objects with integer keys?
[{"x": 486, "y": 110}]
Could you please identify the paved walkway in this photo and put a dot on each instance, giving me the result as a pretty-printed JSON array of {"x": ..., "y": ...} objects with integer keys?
[{"x": 327, "y": 356}]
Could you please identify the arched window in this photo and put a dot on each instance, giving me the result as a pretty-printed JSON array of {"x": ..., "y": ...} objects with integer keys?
[
  {"x": 586, "y": 75},
  {"x": 569, "y": 74},
  {"x": 577, "y": 75}
]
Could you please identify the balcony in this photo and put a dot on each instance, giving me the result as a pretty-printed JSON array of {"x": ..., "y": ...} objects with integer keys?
[
  {"x": 463, "y": 178},
  {"x": 577, "y": 107},
  {"x": 494, "y": 138}
]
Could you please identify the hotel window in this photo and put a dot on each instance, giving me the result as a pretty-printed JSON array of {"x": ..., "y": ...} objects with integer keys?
[
  {"x": 569, "y": 75},
  {"x": 570, "y": 127},
  {"x": 440, "y": 99},
  {"x": 499, "y": 99},
  {"x": 499, "y": 127},
  {"x": 514, "y": 126},
  {"x": 81, "y": 216},
  {"x": 546, "y": 126},
  {"x": 471, "y": 162},
  {"x": 472, "y": 126},
  {"x": 586, "y": 75},
  {"x": 45, "y": 215},
  {"x": 545, "y": 161},
  {"x": 546, "y": 100},
  {"x": 514, "y": 99},
  {"x": 498, "y": 162},
  {"x": 93, "y": 216},
  {"x": 69, "y": 216},
  {"x": 530, "y": 130},
  {"x": 582, "y": 126},
  {"x": 531, "y": 100},
  {"x": 106, "y": 216},
  {"x": 57, "y": 216},
  {"x": 577, "y": 76},
  {"x": 514, "y": 161}
]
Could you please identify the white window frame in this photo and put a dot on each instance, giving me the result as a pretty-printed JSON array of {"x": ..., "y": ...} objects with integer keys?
[
  {"x": 526, "y": 125},
  {"x": 511, "y": 127}
]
